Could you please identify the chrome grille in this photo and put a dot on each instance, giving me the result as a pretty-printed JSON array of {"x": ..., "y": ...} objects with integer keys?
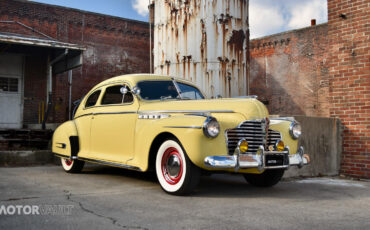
[
  {"x": 273, "y": 137},
  {"x": 252, "y": 131}
]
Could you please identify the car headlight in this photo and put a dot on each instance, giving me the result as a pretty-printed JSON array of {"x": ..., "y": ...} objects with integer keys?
[
  {"x": 295, "y": 130},
  {"x": 211, "y": 127}
]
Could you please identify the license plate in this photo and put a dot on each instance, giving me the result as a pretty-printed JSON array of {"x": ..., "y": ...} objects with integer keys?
[{"x": 274, "y": 160}]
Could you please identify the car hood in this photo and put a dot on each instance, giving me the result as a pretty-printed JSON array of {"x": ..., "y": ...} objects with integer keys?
[{"x": 248, "y": 108}]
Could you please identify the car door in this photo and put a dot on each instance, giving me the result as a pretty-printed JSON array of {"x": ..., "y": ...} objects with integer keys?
[
  {"x": 113, "y": 125},
  {"x": 83, "y": 122}
]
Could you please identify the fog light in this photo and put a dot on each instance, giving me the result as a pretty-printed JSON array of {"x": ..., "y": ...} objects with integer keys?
[
  {"x": 243, "y": 145},
  {"x": 280, "y": 145}
]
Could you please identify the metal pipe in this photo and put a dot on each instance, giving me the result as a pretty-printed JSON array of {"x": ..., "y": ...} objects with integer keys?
[
  {"x": 150, "y": 37},
  {"x": 70, "y": 94},
  {"x": 50, "y": 85}
]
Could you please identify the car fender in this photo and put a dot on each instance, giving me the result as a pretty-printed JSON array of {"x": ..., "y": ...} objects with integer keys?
[
  {"x": 65, "y": 138},
  {"x": 188, "y": 129},
  {"x": 283, "y": 127}
]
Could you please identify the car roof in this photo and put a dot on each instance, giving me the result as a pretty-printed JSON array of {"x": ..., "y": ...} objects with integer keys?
[{"x": 133, "y": 79}]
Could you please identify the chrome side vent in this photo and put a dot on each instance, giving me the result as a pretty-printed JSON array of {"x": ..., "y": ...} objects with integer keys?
[{"x": 253, "y": 132}]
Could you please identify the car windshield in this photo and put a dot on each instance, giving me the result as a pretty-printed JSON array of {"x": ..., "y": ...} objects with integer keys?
[{"x": 164, "y": 90}]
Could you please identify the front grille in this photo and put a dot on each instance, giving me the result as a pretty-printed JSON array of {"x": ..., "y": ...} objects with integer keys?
[
  {"x": 252, "y": 131},
  {"x": 273, "y": 137}
]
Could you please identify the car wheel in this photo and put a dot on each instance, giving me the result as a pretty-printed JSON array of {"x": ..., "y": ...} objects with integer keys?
[
  {"x": 266, "y": 179},
  {"x": 176, "y": 174},
  {"x": 72, "y": 166}
]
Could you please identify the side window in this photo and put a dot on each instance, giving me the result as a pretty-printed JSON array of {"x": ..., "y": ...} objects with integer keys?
[
  {"x": 93, "y": 98},
  {"x": 113, "y": 95}
]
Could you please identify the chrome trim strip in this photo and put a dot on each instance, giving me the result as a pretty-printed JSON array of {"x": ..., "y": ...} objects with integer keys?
[
  {"x": 161, "y": 111},
  {"x": 84, "y": 115},
  {"x": 61, "y": 145},
  {"x": 186, "y": 111},
  {"x": 126, "y": 112},
  {"x": 88, "y": 114},
  {"x": 101, "y": 162},
  {"x": 62, "y": 156},
  {"x": 111, "y": 164},
  {"x": 198, "y": 114},
  {"x": 184, "y": 127}
]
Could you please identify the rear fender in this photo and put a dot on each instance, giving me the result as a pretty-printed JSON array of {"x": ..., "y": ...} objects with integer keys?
[{"x": 65, "y": 139}]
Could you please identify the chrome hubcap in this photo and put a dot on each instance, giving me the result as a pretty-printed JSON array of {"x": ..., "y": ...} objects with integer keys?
[{"x": 173, "y": 165}]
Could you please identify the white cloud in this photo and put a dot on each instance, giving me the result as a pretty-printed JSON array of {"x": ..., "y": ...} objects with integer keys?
[
  {"x": 264, "y": 20},
  {"x": 274, "y": 16},
  {"x": 301, "y": 14},
  {"x": 141, "y": 7}
]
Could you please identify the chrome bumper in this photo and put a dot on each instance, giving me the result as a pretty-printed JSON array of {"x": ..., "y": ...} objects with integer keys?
[{"x": 262, "y": 160}]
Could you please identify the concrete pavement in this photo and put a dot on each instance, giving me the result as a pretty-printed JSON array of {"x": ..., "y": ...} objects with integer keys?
[{"x": 111, "y": 198}]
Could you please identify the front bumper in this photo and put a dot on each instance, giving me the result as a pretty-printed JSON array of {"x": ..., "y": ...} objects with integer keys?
[{"x": 262, "y": 160}]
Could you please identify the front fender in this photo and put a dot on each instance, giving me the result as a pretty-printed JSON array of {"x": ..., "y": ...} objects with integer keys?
[
  {"x": 283, "y": 127},
  {"x": 187, "y": 129},
  {"x": 61, "y": 138}
]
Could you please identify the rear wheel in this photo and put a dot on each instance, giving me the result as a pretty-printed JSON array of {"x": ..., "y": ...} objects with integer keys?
[
  {"x": 176, "y": 174},
  {"x": 266, "y": 179},
  {"x": 72, "y": 166}
]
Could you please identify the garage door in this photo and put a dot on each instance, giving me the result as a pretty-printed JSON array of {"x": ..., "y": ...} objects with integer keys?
[{"x": 11, "y": 104}]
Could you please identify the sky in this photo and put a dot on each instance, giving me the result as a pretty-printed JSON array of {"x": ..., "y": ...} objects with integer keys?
[{"x": 266, "y": 16}]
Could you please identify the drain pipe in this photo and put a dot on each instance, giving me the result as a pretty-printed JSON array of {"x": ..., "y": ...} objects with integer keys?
[
  {"x": 70, "y": 94},
  {"x": 50, "y": 86}
]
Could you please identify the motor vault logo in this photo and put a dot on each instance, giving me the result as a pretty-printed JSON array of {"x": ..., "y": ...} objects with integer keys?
[{"x": 9, "y": 210}]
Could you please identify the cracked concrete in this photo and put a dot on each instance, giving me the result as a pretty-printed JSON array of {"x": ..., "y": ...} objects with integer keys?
[
  {"x": 110, "y": 198},
  {"x": 114, "y": 221}
]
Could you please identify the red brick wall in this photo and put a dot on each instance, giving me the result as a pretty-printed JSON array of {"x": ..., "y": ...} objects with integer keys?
[
  {"x": 289, "y": 71},
  {"x": 114, "y": 46},
  {"x": 349, "y": 80}
]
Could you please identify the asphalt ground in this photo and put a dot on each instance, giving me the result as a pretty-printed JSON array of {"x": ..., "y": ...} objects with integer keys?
[{"x": 111, "y": 198}]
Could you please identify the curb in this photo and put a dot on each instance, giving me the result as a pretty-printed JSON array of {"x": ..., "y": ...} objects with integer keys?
[{"x": 27, "y": 158}]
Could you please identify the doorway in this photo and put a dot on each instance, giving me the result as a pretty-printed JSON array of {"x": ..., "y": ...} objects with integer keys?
[{"x": 11, "y": 91}]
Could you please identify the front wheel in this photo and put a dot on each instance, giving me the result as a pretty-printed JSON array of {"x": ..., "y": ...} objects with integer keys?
[
  {"x": 72, "y": 166},
  {"x": 176, "y": 174},
  {"x": 268, "y": 178}
]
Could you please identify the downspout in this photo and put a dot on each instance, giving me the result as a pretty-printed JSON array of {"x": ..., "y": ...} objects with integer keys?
[
  {"x": 70, "y": 94},
  {"x": 49, "y": 85},
  {"x": 150, "y": 37}
]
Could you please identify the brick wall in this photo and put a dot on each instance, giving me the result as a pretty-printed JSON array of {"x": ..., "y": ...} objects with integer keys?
[
  {"x": 114, "y": 46},
  {"x": 349, "y": 80},
  {"x": 289, "y": 71}
]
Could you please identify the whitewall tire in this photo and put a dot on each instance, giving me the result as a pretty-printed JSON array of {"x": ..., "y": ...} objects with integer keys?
[
  {"x": 72, "y": 166},
  {"x": 175, "y": 172}
]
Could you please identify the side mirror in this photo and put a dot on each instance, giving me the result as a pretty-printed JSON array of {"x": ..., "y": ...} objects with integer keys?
[
  {"x": 123, "y": 90},
  {"x": 135, "y": 90}
]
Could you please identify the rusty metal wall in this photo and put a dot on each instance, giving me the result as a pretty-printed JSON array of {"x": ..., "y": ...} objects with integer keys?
[{"x": 204, "y": 41}]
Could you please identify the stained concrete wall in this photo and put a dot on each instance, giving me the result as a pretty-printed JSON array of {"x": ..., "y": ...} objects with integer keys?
[{"x": 322, "y": 140}]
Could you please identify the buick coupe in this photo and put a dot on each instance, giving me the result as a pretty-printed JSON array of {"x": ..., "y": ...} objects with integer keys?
[{"x": 148, "y": 122}]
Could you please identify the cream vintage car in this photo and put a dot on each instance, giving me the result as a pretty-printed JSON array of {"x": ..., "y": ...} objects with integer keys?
[{"x": 149, "y": 122}]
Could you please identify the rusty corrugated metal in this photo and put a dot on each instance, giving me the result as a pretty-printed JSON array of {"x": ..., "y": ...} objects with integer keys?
[{"x": 204, "y": 41}]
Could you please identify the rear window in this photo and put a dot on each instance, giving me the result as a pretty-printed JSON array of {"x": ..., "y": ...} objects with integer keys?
[
  {"x": 93, "y": 98},
  {"x": 113, "y": 95}
]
